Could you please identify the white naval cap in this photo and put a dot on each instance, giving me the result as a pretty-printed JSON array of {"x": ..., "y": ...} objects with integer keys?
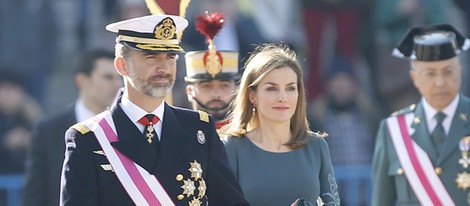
[{"x": 150, "y": 33}]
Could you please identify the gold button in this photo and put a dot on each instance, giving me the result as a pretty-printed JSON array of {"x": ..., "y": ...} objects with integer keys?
[
  {"x": 438, "y": 170},
  {"x": 179, "y": 177},
  {"x": 180, "y": 197},
  {"x": 399, "y": 171}
]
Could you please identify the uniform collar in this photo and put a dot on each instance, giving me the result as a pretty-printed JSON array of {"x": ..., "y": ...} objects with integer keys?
[
  {"x": 134, "y": 112},
  {"x": 449, "y": 111}
]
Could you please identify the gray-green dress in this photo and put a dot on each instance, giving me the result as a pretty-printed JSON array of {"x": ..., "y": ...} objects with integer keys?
[{"x": 269, "y": 178}]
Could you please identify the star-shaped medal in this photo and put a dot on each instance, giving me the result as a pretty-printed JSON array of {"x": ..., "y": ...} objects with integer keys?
[
  {"x": 188, "y": 187},
  {"x": 463, "y": 180},
  {"x": 202, "y": 188},
  {"x": 196, "y": 170},
  {"x": 195, "y": 202}
]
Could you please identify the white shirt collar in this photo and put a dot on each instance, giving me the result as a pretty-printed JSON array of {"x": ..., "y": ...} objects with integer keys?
[
  {"x": 134, "y": 113},
  {"x": 449, "y": 111},
  {"x": 82, "y": 112}
]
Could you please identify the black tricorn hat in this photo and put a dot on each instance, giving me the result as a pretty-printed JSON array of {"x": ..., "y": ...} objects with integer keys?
[{"x": 432, "y": 43}]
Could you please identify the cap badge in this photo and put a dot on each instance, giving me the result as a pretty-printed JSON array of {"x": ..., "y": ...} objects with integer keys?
[
  {"x": 166, "y": 29},
  {"x": 213, "y": 62}
]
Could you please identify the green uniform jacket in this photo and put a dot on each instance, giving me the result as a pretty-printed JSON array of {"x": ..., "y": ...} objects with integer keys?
[{"x": 390, "y": 184}]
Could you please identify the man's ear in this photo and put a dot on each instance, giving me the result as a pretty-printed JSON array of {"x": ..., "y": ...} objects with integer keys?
[
  {"x": 80, "y": 80},
  {"x": 190, "y": 92},
  {"x": 120, "y": 65},
  {"x": 413, "y": 77}
]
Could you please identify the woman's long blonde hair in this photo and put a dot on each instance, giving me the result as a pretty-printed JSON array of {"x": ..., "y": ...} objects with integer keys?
[{"x": 265, "y": 58}]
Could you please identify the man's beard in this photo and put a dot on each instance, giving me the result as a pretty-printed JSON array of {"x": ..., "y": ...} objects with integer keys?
[
  {"x": 219, "y": 113},
  {"x": 158, "y": 91}
]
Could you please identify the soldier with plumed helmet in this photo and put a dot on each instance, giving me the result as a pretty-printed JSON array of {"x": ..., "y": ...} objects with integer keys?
[{"x": 211, "y": 74}]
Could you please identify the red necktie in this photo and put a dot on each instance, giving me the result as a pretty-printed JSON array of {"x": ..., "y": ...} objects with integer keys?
[{"x": 148, "y": 121}]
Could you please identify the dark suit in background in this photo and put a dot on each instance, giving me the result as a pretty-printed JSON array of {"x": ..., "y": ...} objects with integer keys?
[
  {"x": 44, "y": 162},
  {"x": 97, "y": 83}
]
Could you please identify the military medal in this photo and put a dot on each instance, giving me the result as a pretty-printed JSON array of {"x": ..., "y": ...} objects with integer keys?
[
  {"x": 463, "y": 116},
  {"x": 196, "y": 170},
  {"x": 463, "y": 180},
  {"x": 202, "y": 188},
  {"x": 201, "y": 138},
  {"x": 195, "y": 202},
  {"x": 464, "y": 147},
  {"x": 190, "y": 185},
  {"x": 468, "y": 198},
  {"x": 149, "y": 134}
]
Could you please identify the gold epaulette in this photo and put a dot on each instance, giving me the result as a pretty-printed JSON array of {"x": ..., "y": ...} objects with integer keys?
[
  {"x": 404, "y": 110},
  {"x": 83, "y": 129},
  {"x": 203, "y": 116}
]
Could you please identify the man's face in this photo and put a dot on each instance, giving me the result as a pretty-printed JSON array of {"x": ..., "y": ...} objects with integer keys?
[
  {"x": 437, "y": 81},
  {"x": 342, "y": 89},
  {"x": 212, "y": 96},
  {"x": 152, "y": 73},
  {"x": 102, "y": 84}
]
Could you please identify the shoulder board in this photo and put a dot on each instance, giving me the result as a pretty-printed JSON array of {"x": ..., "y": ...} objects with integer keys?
[
  {"x": 83, "y": 129},
  {"x": 203, "y": 116},
  {"x": 404, "y": 110}
]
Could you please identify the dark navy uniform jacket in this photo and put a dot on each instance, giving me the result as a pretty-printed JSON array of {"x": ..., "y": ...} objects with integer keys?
[{"x": 86, "y": 182}]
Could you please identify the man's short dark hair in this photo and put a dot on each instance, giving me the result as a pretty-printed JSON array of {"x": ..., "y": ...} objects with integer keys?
[{"x": 86, "y": 62}]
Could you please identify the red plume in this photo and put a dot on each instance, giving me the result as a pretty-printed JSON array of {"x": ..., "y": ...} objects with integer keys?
[{"x": 209, "y": 24}]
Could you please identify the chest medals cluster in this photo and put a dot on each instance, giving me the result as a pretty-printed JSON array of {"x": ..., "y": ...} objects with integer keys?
[
  {"x": 463, "y": 178},
  {"x": 193, "y": 184}
]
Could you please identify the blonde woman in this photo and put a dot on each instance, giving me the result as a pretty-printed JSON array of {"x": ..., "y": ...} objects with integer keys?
[{"x": 274, "y": 155}]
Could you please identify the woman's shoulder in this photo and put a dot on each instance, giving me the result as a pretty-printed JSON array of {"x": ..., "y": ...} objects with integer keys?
[
  {"x": 234, "y": 145},
  {"x": 317, "y": 139},
  {"x": 234, "y": 140}
]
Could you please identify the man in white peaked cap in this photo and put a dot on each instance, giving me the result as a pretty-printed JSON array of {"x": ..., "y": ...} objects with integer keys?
[{"x": 143, "y": 151}]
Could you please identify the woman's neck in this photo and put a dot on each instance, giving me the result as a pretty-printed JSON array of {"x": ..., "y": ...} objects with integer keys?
[{"x": 271, "y": 137}]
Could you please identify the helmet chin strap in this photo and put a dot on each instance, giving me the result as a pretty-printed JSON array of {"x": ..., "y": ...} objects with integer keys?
[{"x": 205, "y": 107}]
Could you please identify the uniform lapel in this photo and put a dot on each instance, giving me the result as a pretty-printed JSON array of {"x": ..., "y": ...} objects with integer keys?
[
  {"x": 131, "y": 141},
  {"x": 458, "y": 129},
  {"x": 172, "y": 142},
  {"x": 421, "y": 135}
]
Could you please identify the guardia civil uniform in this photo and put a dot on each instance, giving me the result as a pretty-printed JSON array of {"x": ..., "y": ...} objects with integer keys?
[
  {"x": 108, "y": 161},
  {"x": 408, "y": 168}
]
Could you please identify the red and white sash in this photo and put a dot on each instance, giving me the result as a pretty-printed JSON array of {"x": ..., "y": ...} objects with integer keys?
[
  {"x": 142, "y": 187},
  {"x": 416, "y": 164}
]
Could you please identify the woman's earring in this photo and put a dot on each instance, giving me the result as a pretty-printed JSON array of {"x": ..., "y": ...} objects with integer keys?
[{"x": 253, "y": 109}]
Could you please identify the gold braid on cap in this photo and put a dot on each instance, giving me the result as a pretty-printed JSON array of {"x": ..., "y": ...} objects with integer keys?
[{"x": 209, "y": 25}]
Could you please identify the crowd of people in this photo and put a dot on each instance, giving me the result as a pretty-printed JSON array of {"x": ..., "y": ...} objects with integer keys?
[{"x": 265, "y": 111}]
